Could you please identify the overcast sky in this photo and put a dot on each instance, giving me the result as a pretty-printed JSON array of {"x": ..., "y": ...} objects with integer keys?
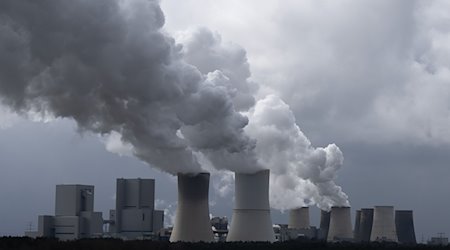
[{"x": 373, "y": 77}]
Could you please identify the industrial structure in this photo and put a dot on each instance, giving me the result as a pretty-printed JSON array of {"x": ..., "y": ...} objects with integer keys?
[
  {"x": 135, "y": 216},
  {"x": 404, "y": 226},
  {"x": 192, "y": 223},
  {"x": 357, "y": 231},
  {"x": 74, "y": 215},
  {"x": 365, "y": 224},
  {"x": 340, "y": 228},
  {"x": 251, "y": 219},
  {"x": 383, "y": 226},
  {"x": 299, "y": 218},
  {"x": 324, "y": 225}
]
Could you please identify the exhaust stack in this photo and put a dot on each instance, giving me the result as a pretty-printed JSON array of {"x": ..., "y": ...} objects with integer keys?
[
  {"x": 340, "y": 224},
  {"x": 192, "y": 222},
  {"x": 299, "y": 218},
  {"x": 383, "y": 227},
  {"x": 251, "y": 215},
  {"x": 404, "y": 224}
]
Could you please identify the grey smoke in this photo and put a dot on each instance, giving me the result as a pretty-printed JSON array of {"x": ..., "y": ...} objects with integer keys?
[{"x": 107, "y": 65}]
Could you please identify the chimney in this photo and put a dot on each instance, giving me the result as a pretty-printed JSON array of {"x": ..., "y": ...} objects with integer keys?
[
  {"x": 192, "y": 222},
  {"x": 383, "y": 227},
  {"x": 404, "y": 226},
  {"x": 365, "y": 225},
  {"x": 324, "y": 224},
  {"x": 251, "y": 219},
  {"x": 299, "y": 218},
  {"x": 340, "y": 224},
  {"x": 357, "y": 231}
]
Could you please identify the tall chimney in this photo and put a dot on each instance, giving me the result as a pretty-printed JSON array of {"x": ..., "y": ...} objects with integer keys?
[
  {"x": 340, "y": 224},
  {"x": 404, "y": 225},
  {"x": 299, "y": 218},
  {"x": 383, "y": 227},
  {"x": 251, "y": 219},
  {"x": 192, "y": 222},
  {"x": 357, "y": 230},
  {"x": 324, "y": 224},
  {"x": 365, "y": 227}
]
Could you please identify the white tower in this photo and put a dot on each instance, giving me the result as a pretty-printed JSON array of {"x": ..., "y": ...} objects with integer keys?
[
  {"x": 192, "y": 222},
  {"x": 299, "y": 218},
  {"x": 383, "y": 227},
  {"x": 340, "y": 224},
  {"x": 251, "y": 215}
]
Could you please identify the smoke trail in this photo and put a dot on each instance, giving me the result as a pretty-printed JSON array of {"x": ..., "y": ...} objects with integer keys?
[
  {"x": 300, "y": 174},
  {"x": 107, "y": 65}
]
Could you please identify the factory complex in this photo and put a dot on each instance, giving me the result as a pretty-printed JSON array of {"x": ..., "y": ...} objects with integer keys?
[{"x": 135, "y": 216}]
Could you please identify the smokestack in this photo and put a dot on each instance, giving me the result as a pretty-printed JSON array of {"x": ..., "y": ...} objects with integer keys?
[
  {"x": 299, "y": 218},
  {"x": 383, "y": 227},
  {"x": 365, "y": 227},
  {"x": 340, "y": 224},
  {"x": 251, "y": 215},
  {"x": 324, "y": 224},
  {"x": 192, "y": 222},
  {"x": 404, "y": 225},
  {"x": 356, "y": 231}
]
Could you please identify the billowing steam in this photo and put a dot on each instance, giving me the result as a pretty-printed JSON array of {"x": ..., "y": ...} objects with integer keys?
[
  {"x": 300, "y": 174},
  {"x": 108, "y": 65}
]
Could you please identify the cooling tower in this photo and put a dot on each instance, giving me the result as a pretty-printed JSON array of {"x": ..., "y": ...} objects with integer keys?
[
  {"x": 356, "y": 230},
  {"x": 251, "y": 215},
  {"x": 340, "y": 224},
  {"x": 299, "y": 218},
  {"x": 365, "y": 224},
  {"x": 324, "y": 224},
  {"x": 192, "y": 221},
  {"x": 383, "y": 226},
  {"x": 404, "y": 225}
]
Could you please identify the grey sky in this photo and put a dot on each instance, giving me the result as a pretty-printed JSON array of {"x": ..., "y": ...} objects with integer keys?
[{"x": 371, "y": 76}]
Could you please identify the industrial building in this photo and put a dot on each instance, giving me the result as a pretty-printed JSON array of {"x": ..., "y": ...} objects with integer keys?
[
  {"x": 340, "y": 227},
  {"x": 74, "y": 215},
  {"x": 135, "y": 216}
]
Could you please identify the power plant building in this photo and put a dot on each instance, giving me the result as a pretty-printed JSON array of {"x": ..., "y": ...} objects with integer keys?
[
  {"x": 299, "y": 218},
  {"x": 74, "y": 215},
  {"x": 135, "y": 216},
  {"x": 365, "y": 224}
]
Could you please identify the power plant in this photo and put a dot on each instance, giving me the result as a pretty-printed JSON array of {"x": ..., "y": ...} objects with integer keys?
[
  {"x": 251, "y": 219},
  {"x": 192, "y": 223},
  {"x": 135, "y": 217},
  {"x": 383, "y": 226},
  {"x": 340, "y": 228}
]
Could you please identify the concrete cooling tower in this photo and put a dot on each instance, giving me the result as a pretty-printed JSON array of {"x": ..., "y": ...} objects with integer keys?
[
  {"x": 404, "y": 225},
  {"x": 365, "y": 224},
  {"x": 356, "y": 230},
  {"x": 383, "y": 226},
  {"x": 340, "y": 225},
  {"x": 299, "y": 218},
  {"x": 324, "y": 224},
  {"x": 251, "y": 219},
  {"x": 192, "y": 222}
]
